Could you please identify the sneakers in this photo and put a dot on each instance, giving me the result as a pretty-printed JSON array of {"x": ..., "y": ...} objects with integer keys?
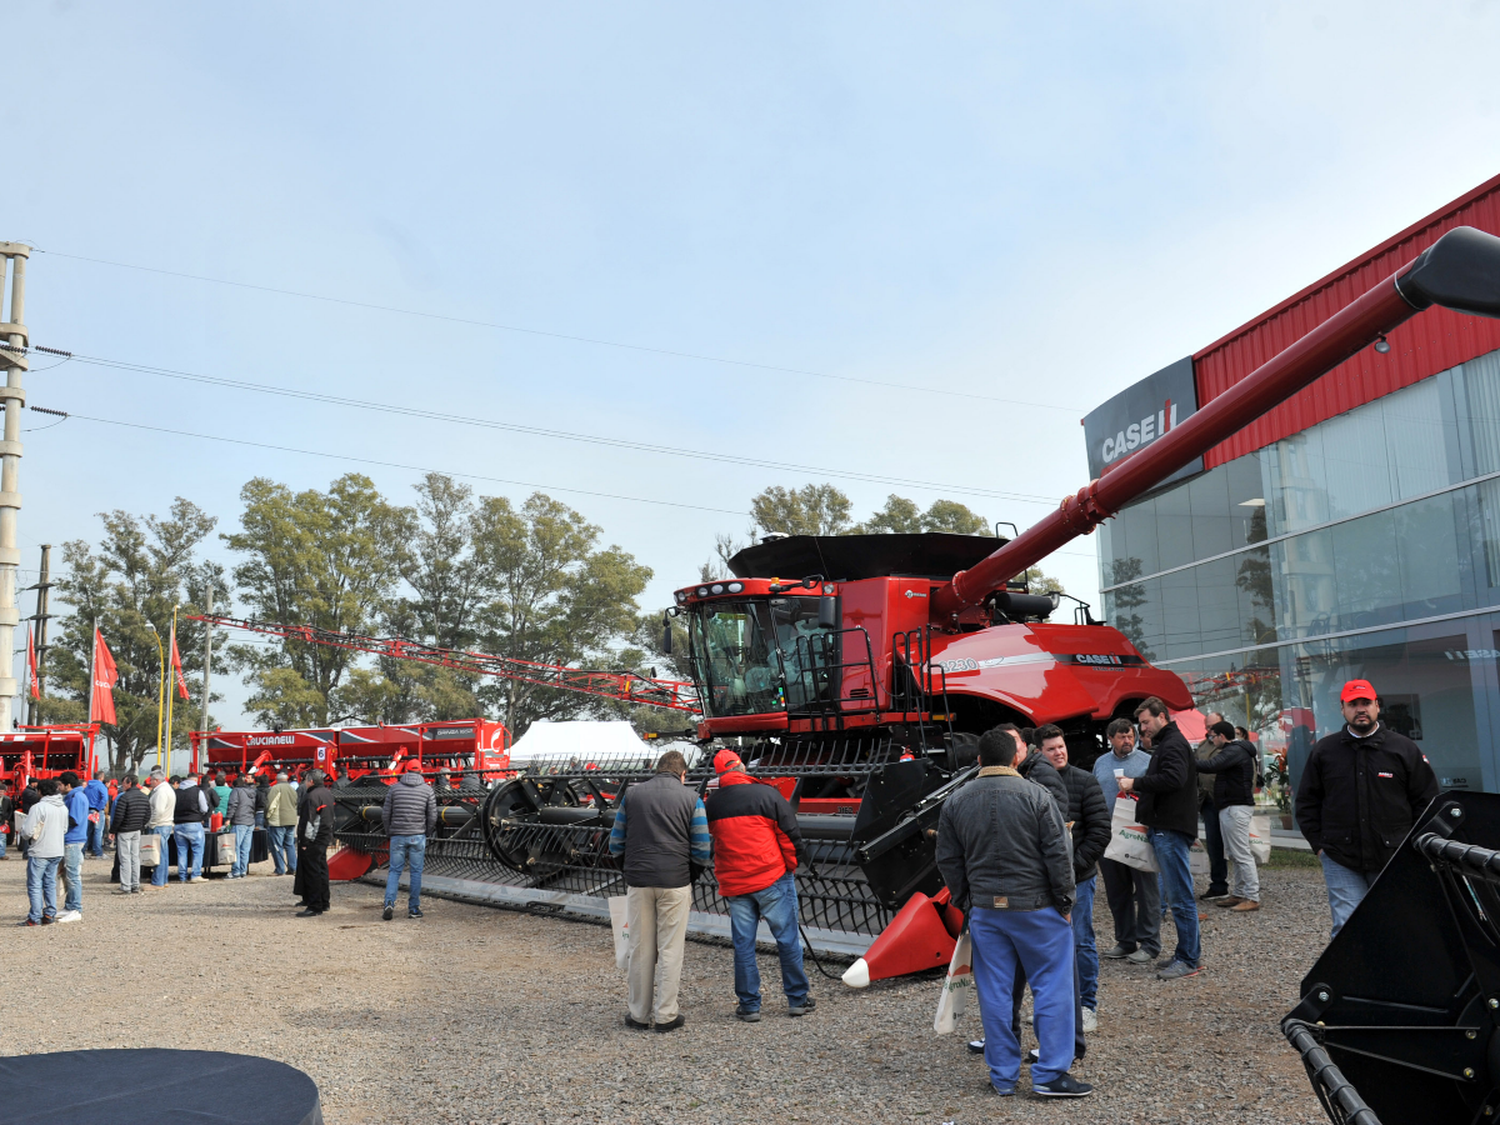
[
  {"x": 1140, "y": 957},
  {"x": 71, "y": 916},
  {"x": 1229, "y": 900},
  {"x": 388, "y": 913},
  {"x": 1244, "y": 906},
  {"x": 976, "y": 1046},
  {"x": 1063, "y": 1086},
  {"x": 803, "y": 1008},
  {"x": 27, "y": 922},
  {"x": 1179, "y": 970},
  {"x": 308, "y": 913},
  {"x": 672, "y": 1024},
  {"x": 121, "y": 891},
  {"x": 1003, "y": 1091},
  {"x": 414, "y": 912},
  {"x": 1090, "y": 1020},
  {"x": 635, "y": 1024},
  {"x": 747, "y": 1015},
  {"x": 1211, "y": 894},
  {"x": 1118, "y": 953}
]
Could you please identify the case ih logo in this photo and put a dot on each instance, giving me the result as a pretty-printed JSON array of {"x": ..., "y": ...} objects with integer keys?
[{"x": 1137, "y": 434}]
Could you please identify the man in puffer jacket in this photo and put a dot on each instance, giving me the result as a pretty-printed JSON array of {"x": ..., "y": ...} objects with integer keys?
[
  {"x": 756, "y": 848},
  {"x": 240, "y": 815},
  {"x": 131, "y": 812},
  {"x": 409, "y": 815}
]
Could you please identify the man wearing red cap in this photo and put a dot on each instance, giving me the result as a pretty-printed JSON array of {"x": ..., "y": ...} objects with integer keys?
[
  {"x": 1361, "y": 791},
  {"x": 756, "y": 847}
]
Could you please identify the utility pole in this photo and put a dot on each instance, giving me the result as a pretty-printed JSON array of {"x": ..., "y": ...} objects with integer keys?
[
  {"x": 13, "y": 359},
  {"x": 43, "y": 585},
  {"x": 208, "y": 658}
]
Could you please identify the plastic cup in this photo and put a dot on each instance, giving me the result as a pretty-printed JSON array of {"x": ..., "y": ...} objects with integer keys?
[{"x": 1119, "y": 774}]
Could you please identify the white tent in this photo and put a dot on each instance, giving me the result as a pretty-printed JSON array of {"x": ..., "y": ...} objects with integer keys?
[{"x": 587, "y": 740}]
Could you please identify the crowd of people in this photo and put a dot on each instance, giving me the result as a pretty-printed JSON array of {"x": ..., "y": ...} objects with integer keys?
[{"x": 1021, "y": 848}]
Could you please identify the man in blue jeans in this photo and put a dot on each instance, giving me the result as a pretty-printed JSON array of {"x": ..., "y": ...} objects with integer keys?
[
  {"x": 191, "y": 811},
  {"x": 757, "y": 844},
  {"x": 409, "y": 816},
  {"x": 98, "y": 795},
  {"x": 163, "y": 810},
  {"x": 1169, "y": 810},
  {"x": 44, "y": 827},
  {"x": 77, "y": 801},
  {"x": 281, "y": 825}
]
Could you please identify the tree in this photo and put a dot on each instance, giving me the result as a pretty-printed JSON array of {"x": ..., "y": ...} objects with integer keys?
[
  {"x": 142, "y": 568},
  {"x": 814, "y": 509},
  {"x": 902, "y": 516},
  {"x": 327, "y": 559},
  {"x": 556, "y": 599},
  {"x": 899, "y": 517},
  {"x": 1039, "y": 583},
  {"x": 955, "y": 518}
]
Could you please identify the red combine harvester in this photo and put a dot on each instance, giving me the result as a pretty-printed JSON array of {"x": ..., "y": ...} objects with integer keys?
[
  {"x": 866, "y": 677},
  {"x": 28, "y": 753}
]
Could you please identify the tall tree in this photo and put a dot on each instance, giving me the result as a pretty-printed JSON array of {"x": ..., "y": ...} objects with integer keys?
[
  {"x": 814, "y": 509},
  {"x": 900, "y": 516},
  {"x": 327, "y": 559},
  {"x": 143, "y": 566},
  {"x": 556, "y": 599}
]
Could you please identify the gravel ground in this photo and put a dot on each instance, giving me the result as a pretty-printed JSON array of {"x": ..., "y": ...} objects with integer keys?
[{"x": 478, "y": 1015}]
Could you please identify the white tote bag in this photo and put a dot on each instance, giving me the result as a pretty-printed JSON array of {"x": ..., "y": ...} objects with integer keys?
[
  {"x": 1127, "y": 839},
  {"x": 1260, "y": 837},
  {"x": 619, "y": 921},
  {"x": 956, "y": 986}
]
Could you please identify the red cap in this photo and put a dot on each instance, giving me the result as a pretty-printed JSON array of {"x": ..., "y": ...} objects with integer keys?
[
  {"x": 726, "y": 760},
  {"x": 1358, "y": 689}
]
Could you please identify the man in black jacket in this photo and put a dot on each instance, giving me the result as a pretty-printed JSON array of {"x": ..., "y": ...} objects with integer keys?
[
  {"x": 1362, "y": 790},
  {"x": 1169, "y": 810},
  {"x": 131, "y": 812},
  {"x": 1090, "y": 819},
  {"x": 1233, "y": 761},
  {"x": 314, "y": 834},
  {"x": 1002, "y": 850}
]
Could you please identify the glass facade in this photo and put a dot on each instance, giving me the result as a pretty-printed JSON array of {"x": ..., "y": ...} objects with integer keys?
[{"x": 1366, "y": 546}]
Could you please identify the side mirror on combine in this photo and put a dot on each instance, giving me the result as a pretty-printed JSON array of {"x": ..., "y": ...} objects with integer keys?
[
  {"x": 828, "y": 612},
  {"x": 666, "y": 633}
]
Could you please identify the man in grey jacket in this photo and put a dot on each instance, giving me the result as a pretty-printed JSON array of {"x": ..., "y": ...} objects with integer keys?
[
  {"x": 240, "y": 813},
  {"x": 44, "y": 828},
  {"x": 409, "y": 815},
  {"x": 1003, "y": 852}
]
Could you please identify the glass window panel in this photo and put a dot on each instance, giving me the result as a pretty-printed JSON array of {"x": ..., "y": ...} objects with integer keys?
[
  {"x": 1179, "y": 611},
  {"x": 1219, "y": 612},
  {"x": 1214, "y": 521},
  {"x": 1427, "y": 536},
  {"x": 1174, "y": 527},
  {"x": 1368, "y": 576},
  {"x": 1421, "y": 439},
  {"x": 1247, "y": 500},
  {"x": 1482, "y": 380},
  {"x": 1299, "y": 497},
  {"x": 1489, "y": 523},
  {"x": 1356, "y": 461},
  {"x": 1303, "y": 582},
  {"x": 1134, "y": 608},
  {"x": 1134, "y": 536},
  {"x": 1257, "y": 599}
]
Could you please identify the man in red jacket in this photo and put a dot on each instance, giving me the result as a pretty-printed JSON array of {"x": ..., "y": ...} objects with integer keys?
[{"x": 756, "y": 845}]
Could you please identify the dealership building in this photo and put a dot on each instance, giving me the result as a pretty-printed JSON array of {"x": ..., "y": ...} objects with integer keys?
[{"x": 1354, "y": 531}]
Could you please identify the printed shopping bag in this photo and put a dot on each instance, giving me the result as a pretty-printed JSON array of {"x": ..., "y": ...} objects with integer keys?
[
  {"x": 1260, "y": 837},
  {"x": 956, "y": 986},
  {"x": 619, "y": 922},
  {"x": 1127, "y": 839}
]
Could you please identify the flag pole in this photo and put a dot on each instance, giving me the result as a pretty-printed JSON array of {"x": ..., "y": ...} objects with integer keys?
[
  {"x": 172, "y": 691},
  {"x": 93, "y": 659}
]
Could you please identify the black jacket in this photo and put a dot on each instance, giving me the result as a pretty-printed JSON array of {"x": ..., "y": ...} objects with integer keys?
[
  {"x": 1089, "y": 815},
  {"x": 1037, "y": 770},
  {"x": 1359, "y": 797},
  {"x": 132, "y": 811},
  {"x": 1001, "y": 844},
  {"x": 1169, "y": 787},
  {"x": 315, "y": 805},
  {"x": 1235, "y": 765}
]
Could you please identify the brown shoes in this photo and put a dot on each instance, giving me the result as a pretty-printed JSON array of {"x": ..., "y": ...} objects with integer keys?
[
  {"x": 1244, "y": 906},
  {"x": 1229, "y": 900}
]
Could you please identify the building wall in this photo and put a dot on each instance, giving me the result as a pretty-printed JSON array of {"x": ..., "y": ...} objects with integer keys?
[
  {"x": 1366, "y": 544},
  {"x": 1433, "y": 341}
]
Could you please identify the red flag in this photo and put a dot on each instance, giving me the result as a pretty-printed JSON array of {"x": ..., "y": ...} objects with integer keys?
[
  {"x": 36, "y": 687},
  {"x": 177, "y": 668},
  {"x": 102, "y": 708}
]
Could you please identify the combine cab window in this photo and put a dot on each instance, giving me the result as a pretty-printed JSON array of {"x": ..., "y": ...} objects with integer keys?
[{"x": 757, "y": 656}]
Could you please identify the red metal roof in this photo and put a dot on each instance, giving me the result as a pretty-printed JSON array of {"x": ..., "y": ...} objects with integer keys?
[{"x": 1428, "y": 343}]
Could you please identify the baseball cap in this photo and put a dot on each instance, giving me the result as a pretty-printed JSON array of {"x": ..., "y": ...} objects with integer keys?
[
  {"x": 726, "y": 760},
  {"x": 1357, "y": 689}
]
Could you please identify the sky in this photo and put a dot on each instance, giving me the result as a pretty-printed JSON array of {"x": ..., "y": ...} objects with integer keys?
[{"x": 908, "y": 244}]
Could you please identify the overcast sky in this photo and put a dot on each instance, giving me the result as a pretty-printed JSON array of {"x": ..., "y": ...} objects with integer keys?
[{"x": 1008, "y": 211}]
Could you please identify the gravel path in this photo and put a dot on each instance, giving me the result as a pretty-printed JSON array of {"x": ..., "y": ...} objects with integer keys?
[{"x": 477, "y": 1015}]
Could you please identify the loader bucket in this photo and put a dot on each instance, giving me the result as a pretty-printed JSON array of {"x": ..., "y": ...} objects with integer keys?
[{"x": 1399, "y": 1022}]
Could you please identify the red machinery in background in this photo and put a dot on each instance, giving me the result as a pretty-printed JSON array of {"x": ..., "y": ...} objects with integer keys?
[
  {"x": 47, "y": 751},
  {"x": 459, "y": 747}
]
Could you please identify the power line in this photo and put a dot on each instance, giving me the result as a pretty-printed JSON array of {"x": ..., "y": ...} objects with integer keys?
[
  {"x": 397, "y": 464},
  {"x": 676, "y": 354},
  {"x": 562, "y": 435}
]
